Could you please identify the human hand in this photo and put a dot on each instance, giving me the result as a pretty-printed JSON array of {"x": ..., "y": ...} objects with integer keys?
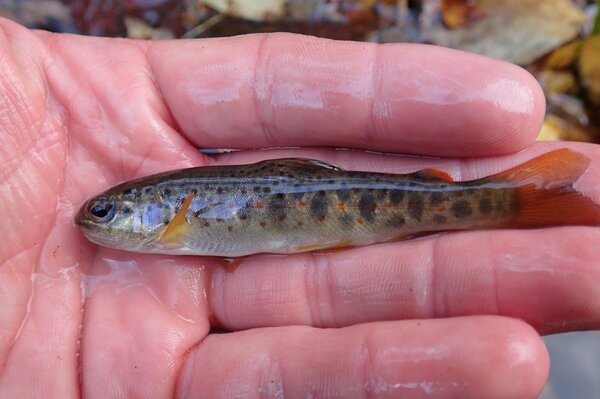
[{"x": 409, "y": 319}]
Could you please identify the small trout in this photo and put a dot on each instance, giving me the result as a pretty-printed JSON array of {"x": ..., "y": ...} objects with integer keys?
[{"x": 299, "y": 205}]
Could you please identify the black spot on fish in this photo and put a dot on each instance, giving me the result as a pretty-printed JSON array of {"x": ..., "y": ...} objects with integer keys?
[
  {"x": 127, "y": 210},
  {"x": 298, "y": 195},
  {"x": 439, "y": 219},
  {"x": 167, "y": 192},
  {"x": 256, "y": 189},
  {"x": 243, "y": 190},
  {"x": 515, "y": 205},
  {"x": 461, "y": 209},
  {"x": 415, "y": 205},
  {"x": 219, "y": 190},
  {"x": 367, "y": 206},
  {"x": 322, "y": 193},
  {"x": 278, "y": 205},
  {"x": 229, "y": 228},
  {"x": 436, "y": 198},
  {"x": 266, "y": 189},
  {"x": 499, "y": 206},
  {"x": 381, "y": 194},
  {"x": 396, "y": 196},
  {"x": 318, "y": 206},
  {"x": 166, "y": 222},
  {"x": 194, "y": 191},
  {"x": 346, "y": 218},
  {"x": 485, "y": 206},
  {"x": 331, "y": 182},
  {"x": 343, "y": 195},
  {"x": 147, "y": 190}
]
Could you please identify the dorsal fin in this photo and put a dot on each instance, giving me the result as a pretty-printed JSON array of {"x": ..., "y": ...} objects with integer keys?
[
  {"x": 301, "y": 163},
  {"x": 432, "y": 174}
]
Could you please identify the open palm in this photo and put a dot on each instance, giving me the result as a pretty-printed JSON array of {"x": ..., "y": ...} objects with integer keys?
[{"x": 411, "y": 319}]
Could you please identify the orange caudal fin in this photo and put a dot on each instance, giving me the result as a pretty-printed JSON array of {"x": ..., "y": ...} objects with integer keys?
[{"x": 545, "y": 192}]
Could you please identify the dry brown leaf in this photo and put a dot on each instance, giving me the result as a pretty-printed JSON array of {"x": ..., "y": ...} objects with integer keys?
[
  {"x": 456, "y": 13},
  {"x": 589, "y": 68},
  {"x": 518, "y": 31}
]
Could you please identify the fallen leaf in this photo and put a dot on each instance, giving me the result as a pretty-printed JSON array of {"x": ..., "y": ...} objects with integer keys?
[
  {"x": 249, "y": 9},
  {"x": 456, "y": 13},
  {"x": 518, "y": 31},
  {"x": 589, "y": 68}
]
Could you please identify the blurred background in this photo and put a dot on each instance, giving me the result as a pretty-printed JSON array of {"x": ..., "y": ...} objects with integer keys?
[{"x": 558, "y": 41}]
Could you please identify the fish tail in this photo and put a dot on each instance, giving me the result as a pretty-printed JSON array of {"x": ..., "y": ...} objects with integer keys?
[{"x": 545, "y": 193}]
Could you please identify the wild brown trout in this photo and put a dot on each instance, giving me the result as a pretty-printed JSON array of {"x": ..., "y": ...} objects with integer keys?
[{"x": 298, "y": 205}]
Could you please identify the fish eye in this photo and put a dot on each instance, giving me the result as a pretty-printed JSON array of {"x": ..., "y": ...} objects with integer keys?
[{"x": 102, "y": 211}]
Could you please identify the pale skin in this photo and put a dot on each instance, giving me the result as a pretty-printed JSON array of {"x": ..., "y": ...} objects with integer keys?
[{"x": 456, "y": 315}]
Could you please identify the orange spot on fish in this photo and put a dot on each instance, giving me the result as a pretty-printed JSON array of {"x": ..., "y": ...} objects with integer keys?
[
  {"x": 281, "y": 218},
  {"x": 243, "y": 217},
  {"x": 440, "y": 208},
  {"x": 360, "y": 221},
  {"x": 301, "y": 204},
  {"x": 321, "y": 218},
  {"x": 410, "y": 204},
  {"x": 388, "y": 205},
  {"x": 259, "y": 205},
  {"x": 300, "y": 222},
  {"x": 341, "y": 206}
]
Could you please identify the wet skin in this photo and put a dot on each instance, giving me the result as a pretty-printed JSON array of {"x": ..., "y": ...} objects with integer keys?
[{"x": 410, "y": 319}]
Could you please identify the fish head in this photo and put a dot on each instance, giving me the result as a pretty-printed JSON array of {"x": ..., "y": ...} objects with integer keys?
[{"x": 123, "y": 221}]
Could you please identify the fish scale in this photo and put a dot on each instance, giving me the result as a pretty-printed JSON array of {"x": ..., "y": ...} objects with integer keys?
[{"x": 296, "y": 205}]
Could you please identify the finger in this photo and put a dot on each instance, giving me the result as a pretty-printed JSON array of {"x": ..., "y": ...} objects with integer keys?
[
  {"x": 548, "y": 277},
  {"x": 118, "y": 125},
  {"x": 142, "y": 314},
  {"x": 286, "y": 90},
  {"x": 477, "y": 357},
  {"x": 39, "y": 288}
]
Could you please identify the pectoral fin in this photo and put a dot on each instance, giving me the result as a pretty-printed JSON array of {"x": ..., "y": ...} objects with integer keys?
[{"x": 178, "y": 227}]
